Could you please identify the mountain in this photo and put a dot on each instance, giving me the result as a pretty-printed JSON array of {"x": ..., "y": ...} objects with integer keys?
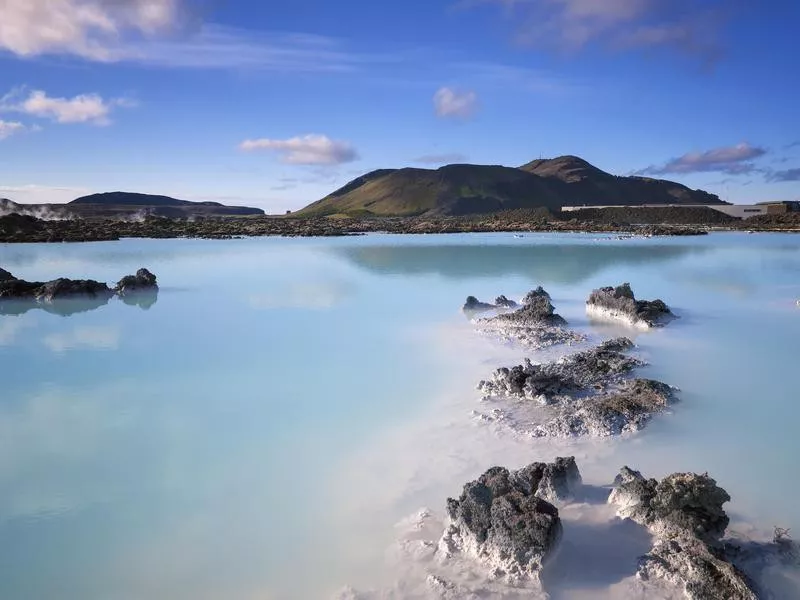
[
  {"x": 450, "y": 190},
  {"x": 591, "y": 186},
  {"x": 479, "y": 189},
  {"x": 127, "y": 204},
  {"x": 156, "y": 205}
]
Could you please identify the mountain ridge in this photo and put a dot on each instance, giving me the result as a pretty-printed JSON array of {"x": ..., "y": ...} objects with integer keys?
[
  {"x": 460, "y": 189},
  {"x": 126, "y": 204}
]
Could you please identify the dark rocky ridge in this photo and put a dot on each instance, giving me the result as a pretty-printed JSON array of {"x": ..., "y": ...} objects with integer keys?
[
  {"x": 127, "y": 205},
  {"x": 16, "y": 228}
]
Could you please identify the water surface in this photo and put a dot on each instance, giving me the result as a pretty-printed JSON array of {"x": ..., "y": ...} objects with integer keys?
[{"x": 257, "y": 431}]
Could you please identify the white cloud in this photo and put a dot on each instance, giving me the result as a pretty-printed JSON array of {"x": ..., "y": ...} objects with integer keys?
[
  {"x": 9, "y": 128},
  {"x": 104, "y": 338},
  {"x": 455, "y": 103},
  {"x": 309, "y": 149},
  {"x": 87, "y": 28},
  {"x": 84, "y": 108},
  {"x": 160, "y": 33}
]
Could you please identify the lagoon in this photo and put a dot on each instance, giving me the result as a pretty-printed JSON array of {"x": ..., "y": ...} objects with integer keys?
[{"x": 258, "y": 431}]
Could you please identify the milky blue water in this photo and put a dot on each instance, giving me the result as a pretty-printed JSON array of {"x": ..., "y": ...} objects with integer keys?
[{"x": 259, "y": 429}]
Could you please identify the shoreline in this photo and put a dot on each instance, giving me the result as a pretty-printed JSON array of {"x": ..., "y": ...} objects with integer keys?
[{"x": 15, "y": 228}]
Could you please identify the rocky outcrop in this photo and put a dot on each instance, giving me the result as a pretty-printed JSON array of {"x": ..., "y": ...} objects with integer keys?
[
  {"x": 531, "y": 296},
  {"x": 680, "y": 504},
  {"x": 684, "y": 512},
  {"x": 624, "y": 410},
  {"x": 554, "y": 482},
  {"x": 590, "y": 393},
  {"x": 578, "y": 372},
  {"x": 473, "y": 305},
  {"x": 536, "y": 310},
  {"x": 143, "y": 280},
  {"x": 503, "y": 520},
  {"x": 620, "y": 303},
  {"x": 27, "y": 294},
  {"x": 534, "y": 324},
  {"x": 503, "y": 302},
  {"x": 11, "y": 287}
]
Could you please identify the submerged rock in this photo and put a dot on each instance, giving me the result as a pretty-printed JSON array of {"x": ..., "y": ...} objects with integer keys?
[
  {"x": 621, "y": 304},
  {"x": 684, "y": 511},
  {"x": 143, "y": 280},
  {"x": 503, "y": 521}
]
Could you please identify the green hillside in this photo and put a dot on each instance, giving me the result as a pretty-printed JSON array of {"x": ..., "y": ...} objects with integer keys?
[{"x": 456, "y": 190}]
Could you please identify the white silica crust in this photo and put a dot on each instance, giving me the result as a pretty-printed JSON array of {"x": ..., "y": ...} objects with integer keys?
[{"x": 602, "y": 313}]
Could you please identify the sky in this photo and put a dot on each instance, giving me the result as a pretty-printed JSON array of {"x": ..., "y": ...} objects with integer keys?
[{"x": 277, "y": 103}]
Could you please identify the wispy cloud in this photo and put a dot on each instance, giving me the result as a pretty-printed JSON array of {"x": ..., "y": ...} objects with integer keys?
[
  {"x": 218, "y": 47},
  {"x": 161, "y": 33},
  {"x": 440, "y": 159},
  {"x": 733, "y": 160},
  {"x": 573, "y": 25},
  {"x": 784, "y": 175},
  {"x": 792, "y": 145},
  {"x": 9, "y": 128},
  {"x": 84, "y": 108},
  {"x": 312, "y": 149},
  {"x": 91, "y": 29},
  {"x": 449, "y": 102}
]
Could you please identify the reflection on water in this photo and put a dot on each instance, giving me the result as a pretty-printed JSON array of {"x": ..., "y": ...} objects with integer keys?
[
  {"x": 60, "y": 306},
  {"x": 547, "y": 264},
  {"x": 66, "y": 307},
  {"x": 257, "y": 428},
  {"x": 144, "y": 299}
]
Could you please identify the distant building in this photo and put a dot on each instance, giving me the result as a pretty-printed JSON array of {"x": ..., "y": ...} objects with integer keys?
[{"x": 740, "y": 211}]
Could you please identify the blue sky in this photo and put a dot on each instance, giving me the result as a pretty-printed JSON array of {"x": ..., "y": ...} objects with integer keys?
[{"x": 275, "y": 104}]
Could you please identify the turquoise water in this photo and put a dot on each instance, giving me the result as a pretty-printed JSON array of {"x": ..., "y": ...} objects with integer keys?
[{"x": 258, "y": 430}]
